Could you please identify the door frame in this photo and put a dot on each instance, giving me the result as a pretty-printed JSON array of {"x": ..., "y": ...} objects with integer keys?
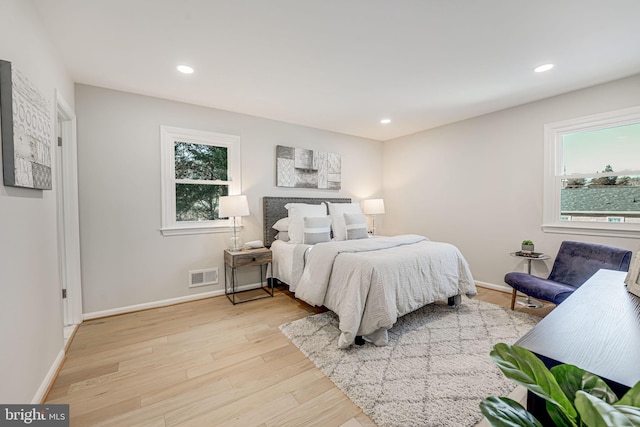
[{"x": 68, "y": 213}]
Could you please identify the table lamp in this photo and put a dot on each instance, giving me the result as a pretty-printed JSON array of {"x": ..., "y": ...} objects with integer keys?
[
  {"x": 234, "y": 206},
  {"x": 373, "y": 207}
]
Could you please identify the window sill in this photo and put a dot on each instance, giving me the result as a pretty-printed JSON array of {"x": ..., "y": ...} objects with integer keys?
[
  {"x": 591, "y": 229},
  {"x": 196, "y": 229}
]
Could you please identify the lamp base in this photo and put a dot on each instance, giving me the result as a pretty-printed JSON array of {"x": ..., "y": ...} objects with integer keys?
[
  {"x": 235, "y": 243},
  {"x": 529, "y": 302}
]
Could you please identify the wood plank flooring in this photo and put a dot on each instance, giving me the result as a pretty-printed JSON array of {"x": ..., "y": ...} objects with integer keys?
[{"x": 204, "y": 363}]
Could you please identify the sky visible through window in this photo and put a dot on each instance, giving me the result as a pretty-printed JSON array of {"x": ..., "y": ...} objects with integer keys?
[{"x": 590, "y": 152}]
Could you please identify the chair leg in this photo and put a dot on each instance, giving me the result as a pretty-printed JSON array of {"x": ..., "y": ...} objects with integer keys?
[{"x": 513, "y": 298}]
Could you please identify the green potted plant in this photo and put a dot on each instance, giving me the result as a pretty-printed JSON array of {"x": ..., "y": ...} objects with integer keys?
[
  {"x": 574, "y": 397},
  {"x": 527, "y": 246}
]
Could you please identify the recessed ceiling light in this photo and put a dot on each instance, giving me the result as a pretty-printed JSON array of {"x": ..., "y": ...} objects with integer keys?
[
  {"x": 385, "y": 121},
  {"x": 185, "y": 69},
  {"x": 543, "y": 68}
]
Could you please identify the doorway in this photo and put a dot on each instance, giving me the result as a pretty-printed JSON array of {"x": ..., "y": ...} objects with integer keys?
[{"x": 68, "y": 217}]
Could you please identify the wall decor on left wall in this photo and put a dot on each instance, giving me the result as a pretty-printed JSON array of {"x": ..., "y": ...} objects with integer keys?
[{"x": 25, "y": 121}]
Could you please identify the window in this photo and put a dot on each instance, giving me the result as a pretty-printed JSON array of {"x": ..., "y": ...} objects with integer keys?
[
  {"x": 197, "y": 168},
  {"x": 592, "y": 175}
]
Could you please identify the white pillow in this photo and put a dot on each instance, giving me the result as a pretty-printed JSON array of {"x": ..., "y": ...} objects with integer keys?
[
  {"x": 282, "y": 235},
  {"x": 297, "y": 212},
  {"x": 282, "y": 224},
  {"x": 356, "y": 226},
  {"x": 337, "y": 211},
  {"x": 316, "y": 230}
]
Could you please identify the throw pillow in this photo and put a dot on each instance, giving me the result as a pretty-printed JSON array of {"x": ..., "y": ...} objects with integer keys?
[
  {"x": 316, "y": 230},
  {"x": 337, "y": 210},
  {"x": 355, "y": 226},
  {"x": 297, "y": 212}
]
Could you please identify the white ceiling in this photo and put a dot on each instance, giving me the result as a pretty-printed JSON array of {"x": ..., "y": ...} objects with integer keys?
[{"x": 342, "y": 65}]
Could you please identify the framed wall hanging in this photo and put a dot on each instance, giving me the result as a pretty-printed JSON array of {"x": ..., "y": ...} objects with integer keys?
[
  {"x": 633, "y": 276},
  {"x": 304, "y": 168},
  {"x": 25, "y": 130}
]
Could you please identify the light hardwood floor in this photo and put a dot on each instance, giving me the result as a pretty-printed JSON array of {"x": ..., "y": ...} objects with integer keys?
[{"x": 204, "y": 363}]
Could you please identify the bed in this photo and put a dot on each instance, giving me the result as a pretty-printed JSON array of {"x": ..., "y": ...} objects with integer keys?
[{"x": 367, "y": 281}]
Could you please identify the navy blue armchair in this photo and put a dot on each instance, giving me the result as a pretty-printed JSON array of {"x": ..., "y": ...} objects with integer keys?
[{"x": 575, "y": 263}]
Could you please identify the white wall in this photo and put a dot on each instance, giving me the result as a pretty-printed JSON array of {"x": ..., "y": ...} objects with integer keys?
[
  {"x": 125, "y": 259},
  {"x": 30, "y": 305},
  {"x": 489, "y": 168},
  {"x": 478, "y": 183}
]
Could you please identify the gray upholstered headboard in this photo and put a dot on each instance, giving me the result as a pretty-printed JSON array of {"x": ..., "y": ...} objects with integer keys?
[{"x": 273, "y": 209}]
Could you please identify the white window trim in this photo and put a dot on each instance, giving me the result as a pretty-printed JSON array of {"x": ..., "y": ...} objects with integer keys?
[
  {"x": 553, "y": 169},
  {"x": 168, "y": 135}
]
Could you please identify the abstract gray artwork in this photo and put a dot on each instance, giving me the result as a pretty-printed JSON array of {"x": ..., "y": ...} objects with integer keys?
[
  {"x": 303, "y": 168},
  {"x": 26, "y": 131}
]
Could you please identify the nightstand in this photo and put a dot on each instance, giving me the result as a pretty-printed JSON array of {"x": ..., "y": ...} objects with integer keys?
[{"x": 233, "y": 260}]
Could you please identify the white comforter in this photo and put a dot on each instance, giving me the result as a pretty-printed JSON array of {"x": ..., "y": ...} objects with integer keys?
[{"x": 369, "y": 283}]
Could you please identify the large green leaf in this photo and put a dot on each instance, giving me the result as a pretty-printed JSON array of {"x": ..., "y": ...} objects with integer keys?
[
  {"x": 571, "y": 379},
  {"x": 631, "y": 412},
  {"x": 595, "y": 412},
  {"x": 505, "y": 412},
  {"x": 595, "y": 386},
  {"x": 523, "y": 367},
  {"x": 632, "y": 397},
  {"x": 560, "y": 417}
]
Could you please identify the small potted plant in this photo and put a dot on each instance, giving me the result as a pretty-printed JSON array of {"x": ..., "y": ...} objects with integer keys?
[{"x": 527, "y": 246}]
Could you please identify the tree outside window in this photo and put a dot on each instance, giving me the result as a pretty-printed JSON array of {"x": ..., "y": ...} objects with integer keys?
[
  {"x": 198, "y": 168},
  {"x": 201, "y": 178}
]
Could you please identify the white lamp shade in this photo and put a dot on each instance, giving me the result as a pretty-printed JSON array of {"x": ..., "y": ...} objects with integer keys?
[
  {"x": 373, "y": 206},
  {"x": 232, "y": 206}
]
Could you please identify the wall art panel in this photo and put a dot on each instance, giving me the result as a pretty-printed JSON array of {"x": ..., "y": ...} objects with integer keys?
[
  {"x": 25, "y": 122},
  {"x": 304, "y": 168}
]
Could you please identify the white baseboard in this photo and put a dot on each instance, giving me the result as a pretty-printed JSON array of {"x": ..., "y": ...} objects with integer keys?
[
  {"x": 48, "y": 380},
  {"x": 203, "y": 295},
  {"x": 501, "y": 288},
  {"x": 162, "y": 303},
  {"x": 69, "y": 333}
]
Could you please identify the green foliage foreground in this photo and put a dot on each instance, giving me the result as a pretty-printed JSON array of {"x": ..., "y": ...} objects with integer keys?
[{"x": 574, "y": 397}]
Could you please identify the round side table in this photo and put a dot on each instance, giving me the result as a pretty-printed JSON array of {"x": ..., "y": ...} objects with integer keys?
[{"x": 528, "y": 302}]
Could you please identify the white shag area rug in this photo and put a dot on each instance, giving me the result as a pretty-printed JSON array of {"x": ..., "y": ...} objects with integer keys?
[{"x": 435, "y": 370}]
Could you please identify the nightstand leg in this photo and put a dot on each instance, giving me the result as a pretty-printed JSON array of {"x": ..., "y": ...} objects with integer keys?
[
  {"x": 234, "y": 278},
  {"x": 268, "y": 283},
  {"x": 230, "y": 288},
  {"x": 226, "y": 281}
]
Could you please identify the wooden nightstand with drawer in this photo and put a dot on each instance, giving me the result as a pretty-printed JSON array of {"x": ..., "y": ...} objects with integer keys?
[{"x": 233, "y": 260}]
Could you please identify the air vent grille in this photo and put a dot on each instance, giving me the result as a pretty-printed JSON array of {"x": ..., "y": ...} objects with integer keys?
[{"x": 204, "y": 277}]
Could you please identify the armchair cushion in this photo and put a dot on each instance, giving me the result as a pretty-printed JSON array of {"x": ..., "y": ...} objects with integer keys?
[{"x": 539, "y": 288}]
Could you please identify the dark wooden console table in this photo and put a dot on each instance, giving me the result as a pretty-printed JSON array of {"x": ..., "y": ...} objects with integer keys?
[{"x": 597, "y": 329}]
